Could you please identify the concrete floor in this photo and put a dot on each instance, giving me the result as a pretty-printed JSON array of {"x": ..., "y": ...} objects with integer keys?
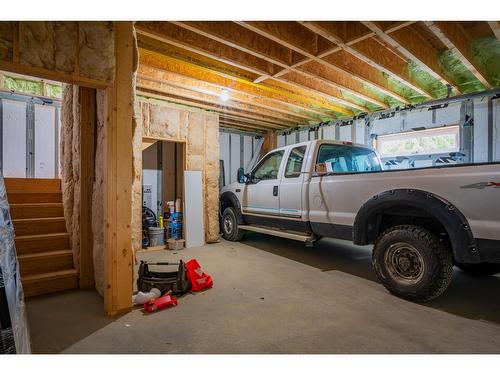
[{"x": 275, "y": 296}]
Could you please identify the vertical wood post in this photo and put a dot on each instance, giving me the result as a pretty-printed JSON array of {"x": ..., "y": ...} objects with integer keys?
[
  {"x": 119, "y": 177},
  {"x": 88, "y": 122},
  {"x": 270, "y": 142}
]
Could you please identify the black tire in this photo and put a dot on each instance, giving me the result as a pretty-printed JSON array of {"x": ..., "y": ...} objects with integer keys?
[
  {"x": 229, "y": 224},
  {"x": 412, "y": 263},
  {"x": 480, "y": 269}
]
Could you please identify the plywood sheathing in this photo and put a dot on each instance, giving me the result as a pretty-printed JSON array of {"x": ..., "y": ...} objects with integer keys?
[
  {"x": 70, "y": 166},
  {"x": 200, "y": 131}
]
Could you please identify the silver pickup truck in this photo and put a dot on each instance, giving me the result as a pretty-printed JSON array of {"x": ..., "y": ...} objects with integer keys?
[{"x": 421, "y": 221}]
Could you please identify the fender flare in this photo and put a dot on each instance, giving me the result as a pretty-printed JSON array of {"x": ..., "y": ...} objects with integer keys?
[
  {"x": 229, "y": 196},
  {"x": 463, "y": 243}
]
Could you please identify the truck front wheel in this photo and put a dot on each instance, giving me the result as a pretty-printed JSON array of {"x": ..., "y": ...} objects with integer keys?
[
  {"x": 230, "y": 229},
  {"x": 412, "y": 263},
  {"x": 480, "y": 269}
]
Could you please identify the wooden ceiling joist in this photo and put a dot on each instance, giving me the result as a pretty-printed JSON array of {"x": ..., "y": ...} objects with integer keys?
[
  {"x": 251, "y": 118},
  {"x": 223, "y": 50},
  {"x": 212, "y": 99},
  {"x": 238, "y": 37},
  {"x": 170, "y": 33},
  {"x": 414, "y": 47},
  {"x": 372, "y": 52},
  {"x": 495, "y": 27},
  {"x": 321, "y": 58},
  {"x": 456, "y": 39},
  {"x": 305, "y": 101}
]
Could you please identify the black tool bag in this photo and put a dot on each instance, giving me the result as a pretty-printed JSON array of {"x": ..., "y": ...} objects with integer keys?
[{"x": 176, "y": 281}]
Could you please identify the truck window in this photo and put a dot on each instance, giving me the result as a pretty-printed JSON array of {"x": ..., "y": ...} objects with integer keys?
[
  {"x": 346, "y": 159},
  {"x": 294, "y": 162},
  {"x": 269, "y": 166}
]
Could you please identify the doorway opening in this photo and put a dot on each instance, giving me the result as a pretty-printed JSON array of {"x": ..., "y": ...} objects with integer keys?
[{"x": 163, "y": 165}]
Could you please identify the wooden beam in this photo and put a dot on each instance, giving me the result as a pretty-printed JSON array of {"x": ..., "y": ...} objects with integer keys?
[
  {"x": 88, "y": 122},
  {"x": 222, "y": 51},
  {"x": 200, "y": 106},
  {"x": 373, "y": 53},
  {"x": 456, "y": 39},
  {"x": 238, "y": 37},
  {"x": 414, "y": 47},
  {"x": 495, "y": 27},
  {"x": 199, "y": 102},
  {"x": 178, "y": 81},
  {"x": 270, "y": 142},
  {"x": 118, "y": 183},
  {"x": 170, "y": 33},
  {"x": 320, "y": 58},
  {"x": 53, "y": 75},
  {"x": 299, "y": 99},
  {"x": 212, "y": 99}
]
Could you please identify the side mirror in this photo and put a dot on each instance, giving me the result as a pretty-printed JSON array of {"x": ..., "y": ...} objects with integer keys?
[{"x": 241, "y": 175}]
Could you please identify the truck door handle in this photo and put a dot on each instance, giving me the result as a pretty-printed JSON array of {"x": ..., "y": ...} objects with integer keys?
[{"x": 275, "y": 191}]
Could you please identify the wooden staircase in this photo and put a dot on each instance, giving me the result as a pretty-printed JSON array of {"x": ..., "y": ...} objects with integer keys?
[{"x": 42, "y": 242}]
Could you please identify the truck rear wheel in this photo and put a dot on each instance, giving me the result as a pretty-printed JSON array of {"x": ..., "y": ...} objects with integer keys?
[
  {"x": 412, "y": 263},
  {"x": 480, "y": 269},
  {"x": 230, "y": 229}
]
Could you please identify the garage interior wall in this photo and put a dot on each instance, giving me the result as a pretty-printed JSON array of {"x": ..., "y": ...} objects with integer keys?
[
  {"x": 481, "y": 113},
  {"x": 199, "y": 130},
  {"x": 238, "y": 149}
]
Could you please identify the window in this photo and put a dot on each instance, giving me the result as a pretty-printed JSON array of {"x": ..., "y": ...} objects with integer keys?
[
  {"x": 294, "y": 163},
  {"x": 346, "y": 159},
  {"x": 430, "y": 141},
  {"x": 269, "y": 166}
]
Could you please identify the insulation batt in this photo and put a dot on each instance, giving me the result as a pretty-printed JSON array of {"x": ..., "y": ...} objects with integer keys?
[
  {"x": 97, "y": 50},
  {"x": 70, "y": 166}
]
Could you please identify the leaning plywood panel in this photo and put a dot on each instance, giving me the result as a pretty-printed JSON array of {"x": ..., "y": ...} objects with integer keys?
[{"x": 193, "y": 207}]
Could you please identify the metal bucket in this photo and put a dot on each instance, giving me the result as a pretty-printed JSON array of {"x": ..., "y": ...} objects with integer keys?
[{"x": 156, "y": 236}]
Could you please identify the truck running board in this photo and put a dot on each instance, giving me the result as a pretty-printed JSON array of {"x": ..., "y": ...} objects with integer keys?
[{"x": 308, "y": 239}]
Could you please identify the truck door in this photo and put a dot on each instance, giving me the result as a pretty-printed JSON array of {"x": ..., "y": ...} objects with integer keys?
[
  {"x": 290, "y": 194},
  {"x": 261, "y": 198}
]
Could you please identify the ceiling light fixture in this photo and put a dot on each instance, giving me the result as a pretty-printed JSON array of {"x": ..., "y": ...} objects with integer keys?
[{"x": 224, "y": 95}]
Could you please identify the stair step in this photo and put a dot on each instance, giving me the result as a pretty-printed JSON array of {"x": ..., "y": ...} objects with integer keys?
[
  {"x": 43, "y": 262},
  {"x": 34, "y": 197},
  {"x": 40, "y": 225},
  {"x": 37, "y": 243},
  {"x": 49, "y": 282},
  {"x": 35, "y": 210},
  {"x": 32, "y": 184}
]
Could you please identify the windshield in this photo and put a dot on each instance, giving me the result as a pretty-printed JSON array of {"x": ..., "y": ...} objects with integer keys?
[{"x": 346, "y": 159}]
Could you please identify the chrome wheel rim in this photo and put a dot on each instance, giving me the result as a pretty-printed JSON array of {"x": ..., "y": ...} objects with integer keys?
[
  {"x": 228, "y": 224},
  {"x": 404, "y": 263}
]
